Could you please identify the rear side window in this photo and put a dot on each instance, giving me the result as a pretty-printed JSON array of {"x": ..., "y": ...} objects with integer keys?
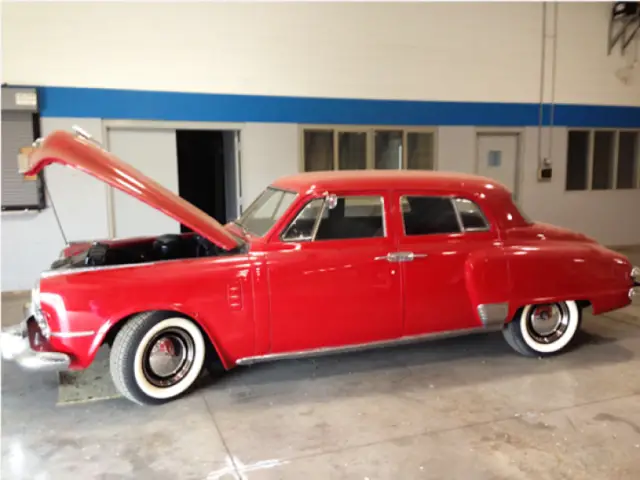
[
  {"x": 471, "y": 216},
  {"x": 429, "y": 215},
  {"x": 424, "y": 215}
]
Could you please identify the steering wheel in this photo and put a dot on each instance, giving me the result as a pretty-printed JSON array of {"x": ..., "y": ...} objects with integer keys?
[{"x": 204, "y": 247}]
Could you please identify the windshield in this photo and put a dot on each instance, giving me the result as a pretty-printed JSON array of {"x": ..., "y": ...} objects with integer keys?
[{"x": 265, "y": 211}]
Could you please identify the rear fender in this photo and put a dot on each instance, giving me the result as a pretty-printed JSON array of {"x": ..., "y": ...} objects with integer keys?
[{"x": 564, "y": 271}]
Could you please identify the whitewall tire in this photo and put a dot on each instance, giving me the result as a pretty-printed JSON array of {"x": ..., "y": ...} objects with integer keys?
[
  {"x": 543, "y": 329},
  {"x": 157, "y": 357}
]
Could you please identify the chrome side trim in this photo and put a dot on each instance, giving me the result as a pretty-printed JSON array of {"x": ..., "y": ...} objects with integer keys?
[
  {"x": 493, "y": 315},
  {"x": 73, "y": 334},
  {"x": 314, "y": 352}
]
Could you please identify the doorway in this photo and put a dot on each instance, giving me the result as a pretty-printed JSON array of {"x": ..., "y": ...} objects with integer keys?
[
  {"x": 204, "y": 158},
  {"x": 201, "y": 165},
  {"x": 497, "y": 158}
]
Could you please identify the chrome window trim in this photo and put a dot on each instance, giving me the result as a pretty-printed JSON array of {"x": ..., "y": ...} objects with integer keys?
[
  {"x": 487, "y": 226},
  {"x": 316, "y": 225},
  {"x": 458, "y": 216},
  {"x": 452, "y": 199}
]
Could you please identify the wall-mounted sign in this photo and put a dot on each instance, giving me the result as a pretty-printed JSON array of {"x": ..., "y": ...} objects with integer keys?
[{"x": 26, "y": 99}]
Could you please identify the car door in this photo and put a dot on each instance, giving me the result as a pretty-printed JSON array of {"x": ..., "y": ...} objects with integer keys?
[
  {"x": 444, "y": 245},
  {"x": 329, "y": 285}
]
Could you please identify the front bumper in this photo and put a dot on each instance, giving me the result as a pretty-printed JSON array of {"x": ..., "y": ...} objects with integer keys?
[{"x": 15, "y": 345}]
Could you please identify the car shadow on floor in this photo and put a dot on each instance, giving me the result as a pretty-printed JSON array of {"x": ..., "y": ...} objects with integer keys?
[{"x": 472, "y": 360}]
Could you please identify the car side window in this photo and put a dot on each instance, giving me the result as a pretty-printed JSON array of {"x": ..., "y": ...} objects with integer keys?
[
  {"x": 424, "y": 215},
  {"x": 353, "y": 217},
  {"x": 302, "y": 226},
  {"x": 471, "y": 216}
]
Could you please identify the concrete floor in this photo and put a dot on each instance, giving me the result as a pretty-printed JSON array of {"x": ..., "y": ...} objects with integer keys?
[{"x": 458, "y": 409}]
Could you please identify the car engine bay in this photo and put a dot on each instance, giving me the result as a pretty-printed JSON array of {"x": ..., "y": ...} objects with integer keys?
[{"x": 161, "y": 248}]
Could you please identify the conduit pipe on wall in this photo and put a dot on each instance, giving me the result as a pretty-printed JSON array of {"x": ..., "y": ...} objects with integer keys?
[{"x": 545, "y": 160}]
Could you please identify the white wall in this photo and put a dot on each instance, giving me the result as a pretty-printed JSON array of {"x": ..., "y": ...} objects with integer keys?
[
  {"x": 31, "y": 241},
  {"x": 606, "y": 215},
  {"x": 419, "y": 51},
  {"x": 268, "y": 151},
  {"x": 154, "y": 153}
]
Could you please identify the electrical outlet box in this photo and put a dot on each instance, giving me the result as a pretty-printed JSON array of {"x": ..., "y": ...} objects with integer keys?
[{"x": 545, "y": 174}]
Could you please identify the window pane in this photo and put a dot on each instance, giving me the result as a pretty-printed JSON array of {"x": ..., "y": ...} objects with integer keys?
[
  {"x": 352, "y": 150},
  {"x": 266, "y": 211},
  {"x": 429, "y": 215},
  {"x": 577, "y": 160},
  {"x": 388, "y": 151},
  {"x": 353, "y": 217},
  {"x": 318, "y": 150},
  {"x": 420, "y": 151},
  {"x": 628, "y": 159},
  {"x": 602, "y": 160},
  {"x": 302, "y": 227},
  {"x": 470, "y": 215}
]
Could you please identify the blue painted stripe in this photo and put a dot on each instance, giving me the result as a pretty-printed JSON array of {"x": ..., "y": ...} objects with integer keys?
[{"x": 154, "y": 105}]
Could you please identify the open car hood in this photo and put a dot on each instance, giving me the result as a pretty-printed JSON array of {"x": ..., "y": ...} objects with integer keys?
[{"x": 82, "y": 153}]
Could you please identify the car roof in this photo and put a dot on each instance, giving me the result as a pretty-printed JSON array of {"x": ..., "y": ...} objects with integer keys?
[{"x": 385, "y": 179}]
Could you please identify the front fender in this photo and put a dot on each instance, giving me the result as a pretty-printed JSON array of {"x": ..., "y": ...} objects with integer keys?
[{"x": 215, "y": 292}]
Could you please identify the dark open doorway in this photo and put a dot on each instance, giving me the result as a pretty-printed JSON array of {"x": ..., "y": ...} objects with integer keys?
[{"x": 206, "y": 171}]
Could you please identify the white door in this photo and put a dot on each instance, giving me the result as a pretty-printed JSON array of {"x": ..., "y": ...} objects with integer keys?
[
  {"x": 497, "y": 158},
  {"x": 154, "y": 153}
]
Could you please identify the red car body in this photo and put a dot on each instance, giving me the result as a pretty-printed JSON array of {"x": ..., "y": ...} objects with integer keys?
[{"x": 269, "y": 298}]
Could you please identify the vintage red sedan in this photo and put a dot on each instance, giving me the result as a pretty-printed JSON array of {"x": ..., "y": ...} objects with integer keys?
[{"x": 320, "y": 262}]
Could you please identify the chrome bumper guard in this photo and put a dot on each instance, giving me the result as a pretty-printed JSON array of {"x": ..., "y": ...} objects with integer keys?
[{"x": 15, "y": 346}]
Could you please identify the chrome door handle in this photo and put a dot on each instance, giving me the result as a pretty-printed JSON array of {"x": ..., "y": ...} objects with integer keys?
[{"x": 401, "y": 256}]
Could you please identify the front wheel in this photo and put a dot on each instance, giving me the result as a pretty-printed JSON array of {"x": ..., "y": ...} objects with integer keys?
[
  {"x": 156, "y": 357},
  {"x": 543, "y": 329}
]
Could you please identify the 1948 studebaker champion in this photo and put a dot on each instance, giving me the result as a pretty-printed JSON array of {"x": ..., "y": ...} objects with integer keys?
[{"x": 320, "y": 262}]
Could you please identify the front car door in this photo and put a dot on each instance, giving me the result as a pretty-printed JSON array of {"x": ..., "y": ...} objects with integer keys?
[
  {"x": 452, "y": 258},
  {"x": 330, "y": 284}
]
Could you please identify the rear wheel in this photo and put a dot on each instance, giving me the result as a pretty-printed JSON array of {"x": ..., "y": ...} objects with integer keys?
[
  {"x": 543, "y": 329},
  {"x": 157, "y": 357}
]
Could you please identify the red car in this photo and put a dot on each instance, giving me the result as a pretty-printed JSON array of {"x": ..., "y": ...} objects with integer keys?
[{"x": 320, "y": 262}]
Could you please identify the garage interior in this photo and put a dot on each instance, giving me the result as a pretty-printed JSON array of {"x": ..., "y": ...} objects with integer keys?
[{"x": 215, "y": 101}]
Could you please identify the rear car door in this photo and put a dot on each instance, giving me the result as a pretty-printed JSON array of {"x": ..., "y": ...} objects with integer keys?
[
  {"x": 450, "y": 257},
  {"x": 329, "y": 283}
]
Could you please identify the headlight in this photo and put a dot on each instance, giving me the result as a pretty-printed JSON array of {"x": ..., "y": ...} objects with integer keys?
[{"x": 37, "y": 312}]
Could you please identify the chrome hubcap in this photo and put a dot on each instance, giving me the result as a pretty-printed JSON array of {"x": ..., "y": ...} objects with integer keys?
[
  {"x": 168, "y": 357},
  {"x": 547, "y": 323}
]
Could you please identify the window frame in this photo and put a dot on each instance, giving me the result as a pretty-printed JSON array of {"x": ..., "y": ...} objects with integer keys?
[
  {"x": 615, "y": 157},
  {"x": 370, "y": 131},
  {"x": 452, "y": 199},
  {"x": 316, "y": 224}
]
